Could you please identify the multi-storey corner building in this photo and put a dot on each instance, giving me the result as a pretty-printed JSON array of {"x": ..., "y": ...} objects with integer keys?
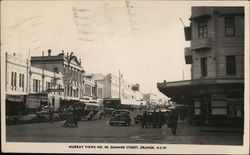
[
  {"x": 215, "y": 93},
  {"x": 70, "y": 66}
]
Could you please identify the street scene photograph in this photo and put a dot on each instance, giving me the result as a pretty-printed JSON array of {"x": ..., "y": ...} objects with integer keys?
[{"x": 123, "y": 72}]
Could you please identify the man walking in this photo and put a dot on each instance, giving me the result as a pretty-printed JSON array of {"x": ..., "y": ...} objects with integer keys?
[
  {"x": 173, "y": 118},
  {"x": 144, "y": 120},
  {"x": 51, "y": 119},
  {"x": 155, "y": 119}
]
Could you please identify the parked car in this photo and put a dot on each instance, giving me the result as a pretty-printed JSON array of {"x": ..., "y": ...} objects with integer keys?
[
  {"x": 120, "y": 119},
  {"x": 30, "y": 118},
  {"x": 160, "y": 117},
  {"x": 121, "y": 111}
]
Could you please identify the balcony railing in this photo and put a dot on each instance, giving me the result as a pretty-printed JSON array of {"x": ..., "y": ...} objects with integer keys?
[{"x": 201, "y": 43}]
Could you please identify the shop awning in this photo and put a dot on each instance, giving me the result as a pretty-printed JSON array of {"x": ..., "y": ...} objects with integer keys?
[
  {"x": 15, "y": 98},
  {"x": 180, "y": 90}
]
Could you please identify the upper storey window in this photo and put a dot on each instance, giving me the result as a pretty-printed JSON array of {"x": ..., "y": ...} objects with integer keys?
[
  {"x": 203, "y": 67},
  {"x": 229, "y": 26},
  {"x": 202, "y": 29},
  {"x": 231, "y": 65}
]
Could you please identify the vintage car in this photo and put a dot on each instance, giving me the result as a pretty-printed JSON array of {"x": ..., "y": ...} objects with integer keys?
[
  {"x": 120, "y": 117},
  {"x": 121, "y": 111},
  {"x": 30, "y": 118},
  {"x": 154, "y": 118}
]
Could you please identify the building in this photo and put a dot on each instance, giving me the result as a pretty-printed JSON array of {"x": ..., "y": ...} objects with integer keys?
[
  {"x": 16, "y": 84},
  {"x": 215, "y": 93},
  {"x": 111, "y": 86},
  {"x": 47, "y": 93},
  {"x": 150, "y": 99},
  {"x": 70, "y": 66},
  {"x": 118, "y": 91},
  {"x": 25, "y": 89},
  {"x": 93, "y": 88}
]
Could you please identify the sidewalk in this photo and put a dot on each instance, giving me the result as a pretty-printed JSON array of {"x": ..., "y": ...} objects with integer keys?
[
  {"x": 221, "y": 129},
  {"x": 206, "y": 128}
]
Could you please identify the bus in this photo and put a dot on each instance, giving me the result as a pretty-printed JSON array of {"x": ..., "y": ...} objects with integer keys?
[{"x": 87, "y": 111}]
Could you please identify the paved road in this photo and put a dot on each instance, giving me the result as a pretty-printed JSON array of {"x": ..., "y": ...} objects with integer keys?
[{"x": 99, "y": 131}]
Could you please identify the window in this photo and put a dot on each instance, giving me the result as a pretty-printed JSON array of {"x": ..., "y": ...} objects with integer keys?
[
  {"x": 93, "y": 91},
  {"x": 234, "y": 110},
  {"x": 53, "y": 101},
  {"x": 230, "y": 65},
  {"x": 12, "y": 79},
  {"x": 99, "y": 93},
  {"x": 48, "y": 86},
  {"x": 229, "y": 26},
  {"x": 39, "y": 85},
  {"x": 15, "y": 77},
  {"x": 70, "y": 91},
  {"x": 36, "y": 85},
  {"x": 88, "y": 90},
  {"x": 202, "y": 29},
  {"x": 203, "y": 67},
  {"x": 20, "y": 80}
]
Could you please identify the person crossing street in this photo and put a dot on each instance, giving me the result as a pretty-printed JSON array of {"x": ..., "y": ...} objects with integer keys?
[
  {"x": 144, "y": 120},
  {"x": 172, "y": 122}
]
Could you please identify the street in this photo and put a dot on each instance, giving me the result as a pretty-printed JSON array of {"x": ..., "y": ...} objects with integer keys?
[{"x": 99, "y": 131}]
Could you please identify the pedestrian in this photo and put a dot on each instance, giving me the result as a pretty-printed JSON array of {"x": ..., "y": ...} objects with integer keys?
[
  {"x": 154, "y": 118},
  {"x": 160, "y": 119},
  {"x": 51, "y": 113},
  {"x": 69, "y": 122},
  {"x": 75, "y": 117},
  {"x": 144, "y": 120},
  {"x": 173, "y": 118}
]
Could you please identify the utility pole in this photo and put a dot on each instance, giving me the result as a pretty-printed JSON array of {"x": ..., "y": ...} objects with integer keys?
[
  {"x": 43, "y": 72},
  {"x": 27, "y": 74}
]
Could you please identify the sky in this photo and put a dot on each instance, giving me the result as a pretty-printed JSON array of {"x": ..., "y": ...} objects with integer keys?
[{"x": 144, "y": 40}]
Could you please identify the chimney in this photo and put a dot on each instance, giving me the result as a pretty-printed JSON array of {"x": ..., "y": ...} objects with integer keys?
[{"x": 49, "y": 52}]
